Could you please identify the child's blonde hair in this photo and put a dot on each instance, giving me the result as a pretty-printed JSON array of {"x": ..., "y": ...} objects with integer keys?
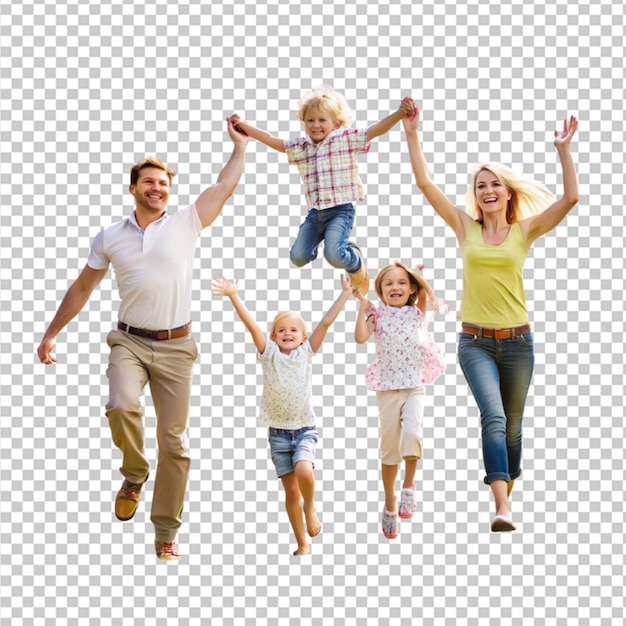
[
  {"x": 416, "y": 280},
  {"x": 326, "y": 99},
  {"x": 281, "y": 315},
  {"x": 528, "y": 197}
]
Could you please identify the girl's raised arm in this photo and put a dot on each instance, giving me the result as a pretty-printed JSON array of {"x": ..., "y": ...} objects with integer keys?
[
  {"x": 317, "y": 336},
  {"x": 222, "y": 287},
  {"x": 365, "y": 322},
  {"x": 457, "y": 219}
]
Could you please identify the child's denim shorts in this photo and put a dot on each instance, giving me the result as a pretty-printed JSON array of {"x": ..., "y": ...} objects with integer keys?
[{"x": 287, "y": 447}]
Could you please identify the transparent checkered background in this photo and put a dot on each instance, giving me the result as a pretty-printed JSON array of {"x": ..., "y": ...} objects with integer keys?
[{"x": 87, "y": 89}]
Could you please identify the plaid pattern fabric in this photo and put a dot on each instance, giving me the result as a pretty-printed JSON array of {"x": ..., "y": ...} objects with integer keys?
[{"x": 329, "y": 169}]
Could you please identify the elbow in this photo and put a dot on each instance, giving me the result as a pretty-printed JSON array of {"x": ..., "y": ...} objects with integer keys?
[
  {"x": 228, "y": 188},
  {"x": 423, "y": 183},
  {"x": 571, "y": 201}
]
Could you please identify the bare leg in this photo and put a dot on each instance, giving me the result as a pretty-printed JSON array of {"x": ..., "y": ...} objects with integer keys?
[
  {"x": 306, "y": 484},
  {"x": 294, "y": 511},
  {"x": 499, "y": 489},
  {"x": 410, "y": 466},
  {"x": 509, "y": 487},
  {"x": 389, "y": 473}
]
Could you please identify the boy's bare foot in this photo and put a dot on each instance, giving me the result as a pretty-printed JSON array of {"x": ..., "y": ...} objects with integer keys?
[
  {"x": 313, "y": 525},
  {"x": 301, "y": 551}
]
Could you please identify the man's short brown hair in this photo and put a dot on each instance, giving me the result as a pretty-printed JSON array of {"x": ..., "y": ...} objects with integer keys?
[{"x": 150, "y": 162}]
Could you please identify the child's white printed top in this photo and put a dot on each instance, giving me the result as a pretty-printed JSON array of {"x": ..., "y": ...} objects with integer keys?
[
  {"x": 329, "y": 170},
  {"x": 286, "y": 399},
  {"x": 406, "y": 356}
]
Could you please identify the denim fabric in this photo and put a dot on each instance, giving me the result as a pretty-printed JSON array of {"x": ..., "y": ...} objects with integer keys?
[
  {"x": 498, "y": 371},
  {"x": 332, "y": 226},
  {"x": 287, "y": 447}
]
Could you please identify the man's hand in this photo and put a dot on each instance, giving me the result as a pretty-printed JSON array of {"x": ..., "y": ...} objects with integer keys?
[{"x": 45, "y": 348}]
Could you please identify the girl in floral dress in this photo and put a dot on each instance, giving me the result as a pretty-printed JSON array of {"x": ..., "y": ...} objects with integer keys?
[{"x": 406, "y": 360}]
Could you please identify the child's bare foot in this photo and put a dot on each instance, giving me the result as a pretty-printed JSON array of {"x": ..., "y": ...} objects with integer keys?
[
  {"x": 313, "y": 525},
  {"x": 302, "y": 550}
]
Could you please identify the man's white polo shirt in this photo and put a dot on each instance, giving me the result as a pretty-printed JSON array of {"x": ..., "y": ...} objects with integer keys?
[{"x": 153, "y": 268}]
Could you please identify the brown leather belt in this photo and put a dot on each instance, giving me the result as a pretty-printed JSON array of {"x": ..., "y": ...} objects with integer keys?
[
  {"x": 157, "y": 335},
  {"x": 495, "y": 333}
]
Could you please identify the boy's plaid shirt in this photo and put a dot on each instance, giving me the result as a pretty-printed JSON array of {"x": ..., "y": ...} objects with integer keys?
[{"x": 329, "y": 169}]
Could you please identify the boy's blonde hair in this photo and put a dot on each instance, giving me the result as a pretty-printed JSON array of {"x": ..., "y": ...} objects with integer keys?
[
  {"x": 416, "y": 280},
  {"x": 150, "y": 162},
  {"x": 326, "y": 99},
  {"x": 281, "y": 315},
  {"x": 528, "y": 197}
]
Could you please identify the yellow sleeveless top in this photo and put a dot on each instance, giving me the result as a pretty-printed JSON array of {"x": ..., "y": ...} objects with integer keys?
[{"x": 493, "y": 291}]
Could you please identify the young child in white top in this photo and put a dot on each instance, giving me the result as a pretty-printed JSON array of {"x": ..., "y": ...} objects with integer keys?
[
  {"x": 286, "y": 405},
  {"x": 327, "y": 159},
  {"x": 406, "y": 360}
]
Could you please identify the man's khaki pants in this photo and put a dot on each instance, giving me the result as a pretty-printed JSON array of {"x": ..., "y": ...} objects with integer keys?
[{"x": 167, "y": 365}]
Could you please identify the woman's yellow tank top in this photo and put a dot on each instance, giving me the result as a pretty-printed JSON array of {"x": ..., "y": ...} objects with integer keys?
[{"x": 493, "y": 291}]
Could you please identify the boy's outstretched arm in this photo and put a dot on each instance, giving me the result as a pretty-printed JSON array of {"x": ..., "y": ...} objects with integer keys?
[
  {"x": 263, "y": 136},
  {"x": 317, "y": 336},
  {"x": 407, "y": 107},
  {"x": 222, "y": 287}
]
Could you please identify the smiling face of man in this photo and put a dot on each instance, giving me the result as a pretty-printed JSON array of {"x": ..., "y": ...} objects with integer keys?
[{"x": 152, "y": 190}]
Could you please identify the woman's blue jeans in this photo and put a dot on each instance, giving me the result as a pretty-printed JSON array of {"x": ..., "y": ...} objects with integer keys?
[
  {"x": 332, "y": 226},
  {"x": 498, "y": 371}
]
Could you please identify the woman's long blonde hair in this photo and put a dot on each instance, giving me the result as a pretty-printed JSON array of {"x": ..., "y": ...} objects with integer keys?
[
  {"x": 528, "y": 197},
  {"x": 416, "y": 280}
]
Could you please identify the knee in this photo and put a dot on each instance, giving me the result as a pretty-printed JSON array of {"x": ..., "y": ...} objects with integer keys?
[
  {"x": 298, "y": 261},
  {"x": 292, "y": 493},
  {"x": 304, "y": 472},
  {"x": 172, "y": 445},
  {"x": 493, "y": 426},
  {"x": 335, "y": 255},
  {"x": 297, "y": 258},
  {"x": 121, "y": 407},
  {"x": 514, "y": 437}
]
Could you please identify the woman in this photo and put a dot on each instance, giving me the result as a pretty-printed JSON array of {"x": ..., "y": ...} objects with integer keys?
[{"x": 496, "y": 350}]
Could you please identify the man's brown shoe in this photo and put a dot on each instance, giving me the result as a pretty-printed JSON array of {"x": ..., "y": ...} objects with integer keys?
[{"x": 127, "y": 500}]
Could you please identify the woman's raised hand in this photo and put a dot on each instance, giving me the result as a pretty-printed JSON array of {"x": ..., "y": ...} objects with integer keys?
[{"x": 563, "y": 138}]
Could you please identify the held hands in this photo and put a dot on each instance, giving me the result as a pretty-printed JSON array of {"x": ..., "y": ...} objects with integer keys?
[
  {"x": 563, "y": 139},
  {"x": 411, "y": 120},
  {"x": 223, "y": 287},
  {"x": 408, "y": 106},
  {"x": 236, "y": 134}
]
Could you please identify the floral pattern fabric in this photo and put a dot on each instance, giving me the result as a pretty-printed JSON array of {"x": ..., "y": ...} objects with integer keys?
[
  {"x": 406, "y": 355},
  {"x": 286, "y": 399}
]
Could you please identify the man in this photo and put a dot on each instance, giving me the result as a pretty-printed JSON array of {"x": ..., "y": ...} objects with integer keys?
[{"x": 152, "y": 256}]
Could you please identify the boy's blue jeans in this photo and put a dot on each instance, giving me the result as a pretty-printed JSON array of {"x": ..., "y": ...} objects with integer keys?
[
  {"x": 332, "y": 226},
  {"x": 498, "y": 371}
]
